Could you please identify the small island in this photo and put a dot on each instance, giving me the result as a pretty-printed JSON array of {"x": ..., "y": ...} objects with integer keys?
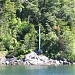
[
  {"x": 37, "y": 37},
  {"x": 29, "y": 25}
]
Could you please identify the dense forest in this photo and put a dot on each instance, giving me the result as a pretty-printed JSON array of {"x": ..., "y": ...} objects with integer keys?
[{"x": 19, "y": 21}]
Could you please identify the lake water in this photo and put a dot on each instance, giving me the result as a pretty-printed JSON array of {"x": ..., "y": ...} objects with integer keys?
[{"x": 37, "y": 70}]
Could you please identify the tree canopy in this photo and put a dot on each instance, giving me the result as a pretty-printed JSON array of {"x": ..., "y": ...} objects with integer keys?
[{"x": 19, "y": 21}]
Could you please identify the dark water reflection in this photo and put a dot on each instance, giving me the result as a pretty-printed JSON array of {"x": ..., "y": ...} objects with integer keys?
[{"x": 37, "y": 70}]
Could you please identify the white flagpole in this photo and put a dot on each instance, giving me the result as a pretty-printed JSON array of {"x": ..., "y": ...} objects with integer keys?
[{"x": 39, "y": 38}]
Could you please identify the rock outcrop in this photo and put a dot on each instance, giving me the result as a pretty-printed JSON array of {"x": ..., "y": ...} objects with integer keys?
[{"x": 34, "y": 59}]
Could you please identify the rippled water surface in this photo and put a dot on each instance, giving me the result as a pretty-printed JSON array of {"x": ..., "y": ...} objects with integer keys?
[{"x": 37, "y": 70}]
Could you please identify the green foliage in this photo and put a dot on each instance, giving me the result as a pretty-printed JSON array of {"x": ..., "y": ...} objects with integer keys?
[
  {"x": 19, "y": 33},
  {"x": 3, "y": 53},
  {"x": 49, "y": 43},
  {"x": 70, "y": 45}
]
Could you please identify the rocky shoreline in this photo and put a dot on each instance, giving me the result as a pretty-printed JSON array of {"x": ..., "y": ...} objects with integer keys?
[{"x": 33, "y": 59}]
